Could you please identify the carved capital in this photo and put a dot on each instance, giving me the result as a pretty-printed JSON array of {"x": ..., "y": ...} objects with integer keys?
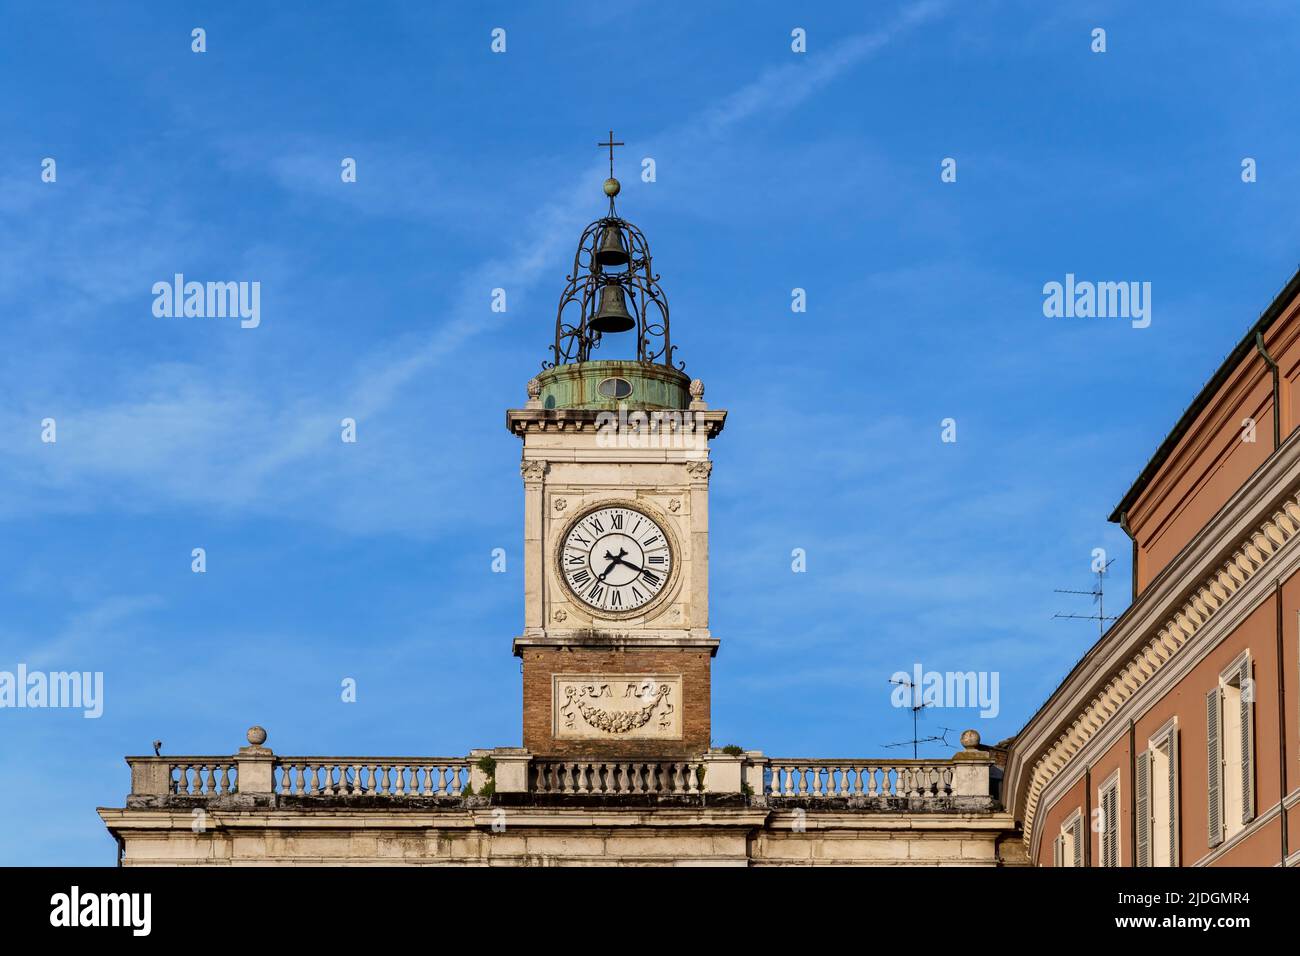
[
  {"x": 699, "y": 470},
  {"x": 533, "y": 470}
]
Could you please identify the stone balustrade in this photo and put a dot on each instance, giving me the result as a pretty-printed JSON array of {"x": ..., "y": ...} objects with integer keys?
[
  {"x": 371, "y": 776},
  {"x": 617, "y": 777},
  {"x": 920, "y": 779},
  {"x": 256, "y": 776},
  {"x": 201, "y": 776}
]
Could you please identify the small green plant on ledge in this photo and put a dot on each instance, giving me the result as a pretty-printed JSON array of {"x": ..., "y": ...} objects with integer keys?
[
  {"x": 733, "y": 750},
  {"x": 489, "y": 767}
]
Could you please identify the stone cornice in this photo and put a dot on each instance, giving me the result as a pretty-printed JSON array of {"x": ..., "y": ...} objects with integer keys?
[
  {"x": 1197, "y": 583},
  {"x": 520, "y": 421},
  {"x": 697, "y": 639}
]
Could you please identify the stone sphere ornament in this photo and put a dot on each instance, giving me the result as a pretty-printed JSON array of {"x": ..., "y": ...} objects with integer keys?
[
  {"x": 612, "y": 187},
  {"x": 256, "y": 735}
]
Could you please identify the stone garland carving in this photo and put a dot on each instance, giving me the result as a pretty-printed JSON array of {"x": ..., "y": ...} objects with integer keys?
[
  {"x": 1251, "y": 555},
  {"x": 616, "y": 722}
]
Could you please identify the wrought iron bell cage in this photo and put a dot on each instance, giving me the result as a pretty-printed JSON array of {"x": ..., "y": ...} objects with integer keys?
[{"x": 586, "y": 308}]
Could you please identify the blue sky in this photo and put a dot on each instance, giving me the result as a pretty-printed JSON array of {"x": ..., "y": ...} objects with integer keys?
[{"x": 476, "y": 170}]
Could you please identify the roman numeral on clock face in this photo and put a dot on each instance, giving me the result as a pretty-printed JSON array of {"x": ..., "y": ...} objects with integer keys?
[{"x": 615, "y": 559}]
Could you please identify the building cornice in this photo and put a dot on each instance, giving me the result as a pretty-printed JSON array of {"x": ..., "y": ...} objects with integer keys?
[
  {"x": 1205, "y": 575},
  {"x": 521, "y": 421}
]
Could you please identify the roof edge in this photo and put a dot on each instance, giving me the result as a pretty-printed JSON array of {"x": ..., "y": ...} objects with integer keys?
[{"x": 1284, "y": 297}]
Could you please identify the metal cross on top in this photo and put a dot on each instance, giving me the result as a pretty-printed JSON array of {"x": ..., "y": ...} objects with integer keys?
[{"x": 611, "y": 144}]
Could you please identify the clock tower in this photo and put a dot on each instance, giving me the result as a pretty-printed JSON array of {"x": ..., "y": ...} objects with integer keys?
[{"x": 616, "y": 646}]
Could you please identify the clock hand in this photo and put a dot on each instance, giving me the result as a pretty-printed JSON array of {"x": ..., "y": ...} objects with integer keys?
[{"x": 627, "y": 564}]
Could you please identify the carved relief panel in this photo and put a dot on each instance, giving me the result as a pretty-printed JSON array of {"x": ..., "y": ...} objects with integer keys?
[{"x": 617, "y": 706}]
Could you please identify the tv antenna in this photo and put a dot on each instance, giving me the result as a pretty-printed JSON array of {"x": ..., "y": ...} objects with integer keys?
[
  {"x": 916, "y": 709},
  {"x": 1098, "y": 598}
]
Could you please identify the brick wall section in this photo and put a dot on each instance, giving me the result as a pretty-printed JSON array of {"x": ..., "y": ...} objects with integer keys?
[{"x": 541, "y": 664}]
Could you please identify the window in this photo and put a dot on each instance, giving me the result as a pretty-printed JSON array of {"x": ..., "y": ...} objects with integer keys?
[
  {"x": 1067, "y": 850},
  {"x": 1108, "y": 824},
  {"x": 614, "y": 388},
  {"x": 1230, "y": 751},
  {"x": 1157, "y": 800}
]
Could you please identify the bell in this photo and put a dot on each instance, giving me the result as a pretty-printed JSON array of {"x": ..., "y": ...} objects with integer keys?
[
  {"x": 611, "y": 313},
  {"x": 611, "y": 251}
]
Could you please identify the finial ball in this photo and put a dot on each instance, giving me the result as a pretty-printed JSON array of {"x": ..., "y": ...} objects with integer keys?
[
  {"x": 612, "y": 187},
  {"x": 697, "y": 389},
  {"x": 256, "y": 736},
  {"x": 970, "y": 739},
  {"x": 534, "y": 388}
]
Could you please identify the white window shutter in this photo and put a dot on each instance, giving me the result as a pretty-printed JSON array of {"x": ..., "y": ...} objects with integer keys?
[
  {"x": 1214, "y": 767},
  {"x": 1111, "y": 807},
  {"x": 1173, "y": 796},
  {"x": 1142, "y": 791},
  {"x": 1247, "y": 742},
  {"x": 1076, "y": 829}
]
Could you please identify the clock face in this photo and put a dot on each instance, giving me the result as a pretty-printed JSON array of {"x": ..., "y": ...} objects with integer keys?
[{"x": 615, "y": 559}]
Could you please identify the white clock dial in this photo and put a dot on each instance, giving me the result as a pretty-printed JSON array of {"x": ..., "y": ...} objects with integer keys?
[{"x": 616, "y": 559}]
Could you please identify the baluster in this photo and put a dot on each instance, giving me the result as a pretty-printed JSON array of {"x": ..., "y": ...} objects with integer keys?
[
  {"x": 224, "y": 786},
  {"x": 400, "y": 789},
  {"x": 182, "y": 784}
]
